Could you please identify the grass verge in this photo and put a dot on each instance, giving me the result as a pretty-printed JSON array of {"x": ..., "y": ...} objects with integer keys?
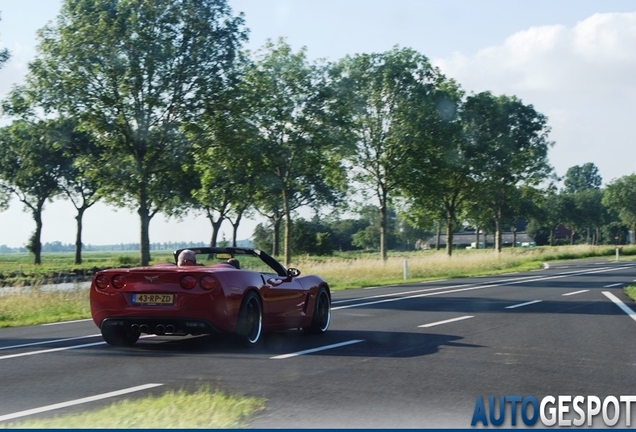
[
  {"x": 630, "y": 291},
  {"x": 30, "y": 306},
  {"x": 181, "y": 409}
]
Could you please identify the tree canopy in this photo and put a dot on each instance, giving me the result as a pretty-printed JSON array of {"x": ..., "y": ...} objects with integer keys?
[{"x": 134, "y": 72}]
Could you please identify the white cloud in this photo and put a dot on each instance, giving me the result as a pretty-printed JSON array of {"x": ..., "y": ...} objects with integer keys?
[{"x": 581, "y": 77}]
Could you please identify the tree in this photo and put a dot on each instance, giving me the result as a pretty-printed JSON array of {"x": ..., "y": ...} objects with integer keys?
[
  {"x": 434, "y": 173},
  {"x": 583, "y": 177},
  {"x": 342, "y": 231},
  {"x": 134, "y": 72},
  {"x": 311, "y": 237},
  {"x": 30, "y": 168},
  {"x": 262, "y": 237},
  {"x": 582, "y": 184},
  {"x": 508, "y": 142},
  {"x": 79, "y": 173},
  {"x": 386, "y": 93},
  {"x": 226, "y": 160},
  {"x": 369, "y": 237},
  {"x": 301, "y": 135},
  {"x": 620, "y": 195},
  {"x": 591, "y": 212}
]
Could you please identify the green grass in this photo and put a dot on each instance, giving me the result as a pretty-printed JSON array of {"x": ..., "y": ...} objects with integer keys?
[
  {"x": 30, "y": 306},
  {"x": 630, "y": 291},
  {"x": 181, "y": 409}
]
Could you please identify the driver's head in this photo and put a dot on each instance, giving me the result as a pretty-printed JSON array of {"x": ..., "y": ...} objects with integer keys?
[{"x": 186, "y": 258}]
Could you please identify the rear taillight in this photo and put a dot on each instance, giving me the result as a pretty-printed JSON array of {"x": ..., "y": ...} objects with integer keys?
[
  {"x": 188, "y": 282},
  {"x": 101, "y": 281},
  {"x": 119, "y": 281},
  {"x": 208, "y": 282}
]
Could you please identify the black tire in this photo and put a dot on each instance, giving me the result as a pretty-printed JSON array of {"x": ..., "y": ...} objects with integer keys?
[
  {"x": 119, "y": 335},
  {"x": 322, "y": 313},
  {"x": 250, "y": 320}
]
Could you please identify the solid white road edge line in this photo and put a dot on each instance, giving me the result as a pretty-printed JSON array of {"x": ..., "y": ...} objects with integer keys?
[
  {"x": 30, "y": 353},
  {"x": 629, "y": 311},
  {"x": 309, "y": 351},
  {"x": 76, "y": 402},
  {"x": 613, "y": 285},
  {"x": 394, "y": 294},
  {"x": 67, "y": 322},
  {"x": 447, "y": 321},
  {"x": 523, "y": 304},
  {"x": 575, "y": 292},
  {"x": 49, "y": 341}
]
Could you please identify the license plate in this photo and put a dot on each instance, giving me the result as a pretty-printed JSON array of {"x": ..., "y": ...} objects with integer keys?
[{"x": 153, "y": 299}]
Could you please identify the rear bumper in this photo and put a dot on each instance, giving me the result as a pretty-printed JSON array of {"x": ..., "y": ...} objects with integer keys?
[{"x": 161, "y": 326}]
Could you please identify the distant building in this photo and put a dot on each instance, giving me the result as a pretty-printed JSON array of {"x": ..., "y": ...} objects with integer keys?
[{"x": 562, "y": 232}]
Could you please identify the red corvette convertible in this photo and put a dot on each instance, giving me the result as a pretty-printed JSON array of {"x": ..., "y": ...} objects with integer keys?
[{"x": 238, "y": 291}]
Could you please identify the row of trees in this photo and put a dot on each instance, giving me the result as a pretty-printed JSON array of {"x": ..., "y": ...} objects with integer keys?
[
  {"x": 580, "y": 206},
  {"x": 156, "y": 106},
  {"x": 592, "y": 214}
]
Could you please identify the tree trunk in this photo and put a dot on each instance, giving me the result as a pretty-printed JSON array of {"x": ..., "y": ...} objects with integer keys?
[
  {"x": 78, "y": 235},
  {"x": 552, "y": 237},
  {"x": 383, "y": 224},
  {"x": 287, "y": 234},
  {"x": 477, "y": 228},
  {"x": 497, "y": 235},
  {"x": 144, "y": 245},
  {"x": 37, "y": 244},
  {"x": 216, "y": 227},
  {"x": 235, "y": 226},
  {"x": 439, "y": 236},
  {"x": 449, "y": 238},
  {"x": 287, "y": 240},
  {"x": 276, "y": 240}
]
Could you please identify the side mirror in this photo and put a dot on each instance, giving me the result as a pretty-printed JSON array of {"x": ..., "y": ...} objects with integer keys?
[{"x": 293, "y": 272}]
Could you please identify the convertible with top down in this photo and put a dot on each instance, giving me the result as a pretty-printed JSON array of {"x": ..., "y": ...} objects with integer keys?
[{"x": 229, "y": 290}]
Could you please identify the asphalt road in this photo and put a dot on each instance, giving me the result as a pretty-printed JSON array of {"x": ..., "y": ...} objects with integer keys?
[{"x": 407, "y": 356}]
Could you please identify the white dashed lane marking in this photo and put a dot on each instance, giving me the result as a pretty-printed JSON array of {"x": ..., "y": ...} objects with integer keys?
[
  {"x": 523, "y": 304},
  {"x": 433, "y": 324},
  {"x": 323, "y": 348},
  {"x": 575, "y": 292}
]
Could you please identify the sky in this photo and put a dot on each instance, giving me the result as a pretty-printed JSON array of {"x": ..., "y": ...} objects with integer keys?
[{"x": 573, "y": 60}]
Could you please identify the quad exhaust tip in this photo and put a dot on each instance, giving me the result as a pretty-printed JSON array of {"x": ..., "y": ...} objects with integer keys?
[{"x": 159, "y": 328}]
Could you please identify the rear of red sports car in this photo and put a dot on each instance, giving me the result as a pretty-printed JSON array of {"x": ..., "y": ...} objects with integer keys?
[{"x": 165, "y": 299}]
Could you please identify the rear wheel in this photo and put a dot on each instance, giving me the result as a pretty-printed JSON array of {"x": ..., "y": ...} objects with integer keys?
[
  {"x": 250, "y": 319},
  {"x": 322, "y": 313},
  {"x": 119, "y": 335}
]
